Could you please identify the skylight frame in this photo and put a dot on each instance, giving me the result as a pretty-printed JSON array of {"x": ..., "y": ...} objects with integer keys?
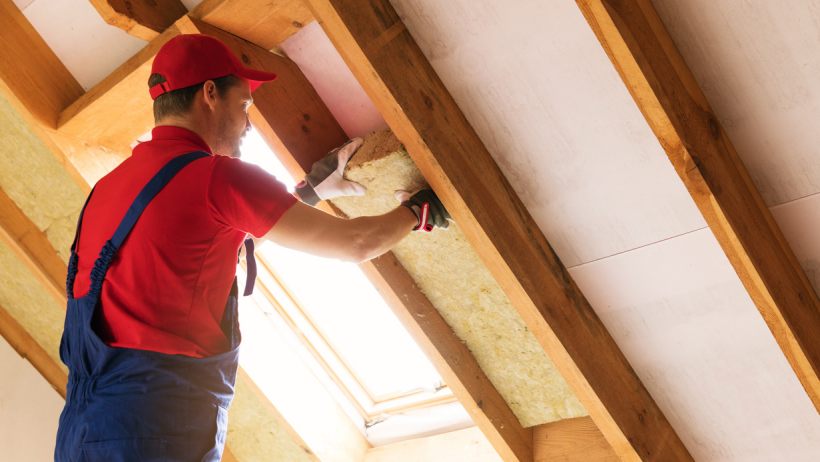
[{"x": 370, "y": 408}]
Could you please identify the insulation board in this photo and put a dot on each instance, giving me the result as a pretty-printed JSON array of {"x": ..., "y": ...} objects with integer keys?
[
  {"x": 449, "y": 272},
  {"x": 36, "y": 182}
]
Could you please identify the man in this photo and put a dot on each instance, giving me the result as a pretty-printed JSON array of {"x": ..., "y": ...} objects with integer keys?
[{"x": 151, "y": 330}]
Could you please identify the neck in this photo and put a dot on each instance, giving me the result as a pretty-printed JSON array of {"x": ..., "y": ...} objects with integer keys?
[{"x": 191, "y": 124}]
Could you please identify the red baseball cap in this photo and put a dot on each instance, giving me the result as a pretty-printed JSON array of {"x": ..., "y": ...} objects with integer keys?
[{"x": 189, "y": 59}]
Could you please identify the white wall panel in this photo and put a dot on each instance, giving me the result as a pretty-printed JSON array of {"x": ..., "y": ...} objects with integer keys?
[{"x": 29, "y": 410}]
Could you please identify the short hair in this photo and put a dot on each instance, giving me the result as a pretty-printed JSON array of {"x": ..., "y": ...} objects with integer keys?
[{"x": 178, "y": 102}]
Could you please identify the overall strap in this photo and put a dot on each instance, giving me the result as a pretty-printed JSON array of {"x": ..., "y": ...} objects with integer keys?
[
  {"x": 251, "y": 267},
  {"x": 72, "y": 259},
  {"x": 149, "y": 191}
]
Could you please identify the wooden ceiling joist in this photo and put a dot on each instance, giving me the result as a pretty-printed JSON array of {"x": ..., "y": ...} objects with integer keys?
[
  {"x": 676, "y": 109},
  {"x": 575, "y": 439},
  {"x": 32, "y": 246},
  {"x": 401, "y": 82},
  {"x": 31, "y": 69},
  {"x": 144, "y": 19},
  {"x": 449, "y": 355},
  {"x": 266, "y": 23}
]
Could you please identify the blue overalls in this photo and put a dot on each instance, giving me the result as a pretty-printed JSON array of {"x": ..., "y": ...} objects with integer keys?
[{"x": 133, "y": 405}]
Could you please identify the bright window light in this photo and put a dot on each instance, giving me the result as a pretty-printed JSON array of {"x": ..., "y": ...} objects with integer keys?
[{"x": 350, "y": 328}]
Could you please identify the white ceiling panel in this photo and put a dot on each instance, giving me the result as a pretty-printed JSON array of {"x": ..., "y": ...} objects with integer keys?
[
  {"x": 681, "y": 316},
  {"x": 758, "y": 63},
  {"x": 542, "y": 95},
  {"x": 89, "y": 48},
  {"x": 800, "y": 222}
]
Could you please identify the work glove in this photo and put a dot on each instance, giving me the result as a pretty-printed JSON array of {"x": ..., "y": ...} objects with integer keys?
[
  {"x": 429, "y": 210},
  {"x": 326, "y": 178}
]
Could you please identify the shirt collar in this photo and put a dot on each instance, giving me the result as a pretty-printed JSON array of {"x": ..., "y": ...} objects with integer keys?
[{"x": 170, "y": 132}]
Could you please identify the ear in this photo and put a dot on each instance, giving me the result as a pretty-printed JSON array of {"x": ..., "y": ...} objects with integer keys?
[{"x": 209, "y": 93}]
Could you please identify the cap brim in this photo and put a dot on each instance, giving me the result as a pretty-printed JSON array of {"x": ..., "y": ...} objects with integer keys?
[{"x": 255, "y": 77}]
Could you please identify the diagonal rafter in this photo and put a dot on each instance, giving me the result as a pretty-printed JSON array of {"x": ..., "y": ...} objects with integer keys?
[
  {"x": 266, "y": 23},
  {"x": 144, "y": 19},
  {"x": 33, "y": 247},
  {"x": 571, "y": 439},
  {"x": 676, "y": 109},
  {"x": 390, "y": 66}
]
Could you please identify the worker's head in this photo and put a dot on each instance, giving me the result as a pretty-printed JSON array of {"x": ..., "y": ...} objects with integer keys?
[{"x": 197, "y": 82}]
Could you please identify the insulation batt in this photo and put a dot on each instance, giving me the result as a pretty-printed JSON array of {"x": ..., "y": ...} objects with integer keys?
[{"x": 449, "y": 272}]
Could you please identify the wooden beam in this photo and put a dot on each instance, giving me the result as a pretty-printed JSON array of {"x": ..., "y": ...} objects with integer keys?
[
  {"x": 31, "y": 70},
  {"x": 571, "y": 440},
  {"x": 676, "y": 109},
  {"x": 266, "y": 23},
  {"x": 28, "y": 348},
  {"x": 451, "y": 357},
  {"x": 403, "y": 85},
  {"x": 116, "y": 111},
  {"x": 33, "y": 247},
  {"x": 35, "y": 82},
  {"x": 144, "y": 19}
]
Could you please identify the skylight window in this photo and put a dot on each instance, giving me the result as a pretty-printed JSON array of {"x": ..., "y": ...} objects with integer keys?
[{"x": 387, "y": 385}]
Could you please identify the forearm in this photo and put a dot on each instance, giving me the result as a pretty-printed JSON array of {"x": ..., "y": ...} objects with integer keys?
[
  {"x": 359, "y": 239},
  {"x": 376, "y": 235}
]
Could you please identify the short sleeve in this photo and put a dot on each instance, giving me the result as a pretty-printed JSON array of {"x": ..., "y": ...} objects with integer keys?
[{"x": 245, "y": 197}]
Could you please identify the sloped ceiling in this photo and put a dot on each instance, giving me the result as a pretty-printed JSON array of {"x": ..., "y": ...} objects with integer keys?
[
  {"x": 534, "y": 82},
  {"x": 539, "y": 90}
]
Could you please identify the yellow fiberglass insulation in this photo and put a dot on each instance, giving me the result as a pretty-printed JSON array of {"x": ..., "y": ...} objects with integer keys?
[{"x": 449, "y": 272}]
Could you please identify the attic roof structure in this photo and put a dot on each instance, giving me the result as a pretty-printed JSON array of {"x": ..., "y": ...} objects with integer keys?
[{"x": 632, "y": 271}]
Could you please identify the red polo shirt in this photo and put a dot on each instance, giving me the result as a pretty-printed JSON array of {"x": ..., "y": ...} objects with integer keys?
[{"x": 166, "y": 289}]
